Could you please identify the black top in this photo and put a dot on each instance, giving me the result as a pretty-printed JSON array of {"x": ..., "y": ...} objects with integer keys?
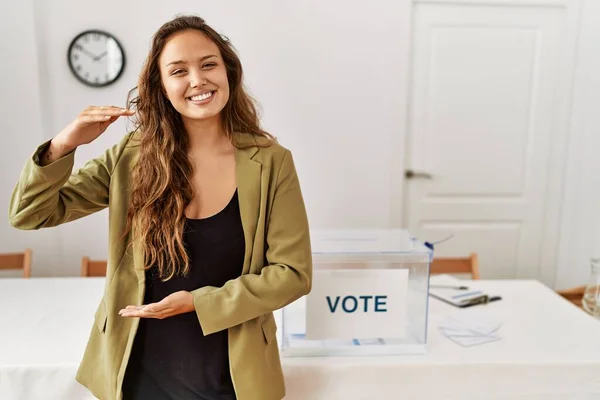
[{"x": 171, "y": 359}]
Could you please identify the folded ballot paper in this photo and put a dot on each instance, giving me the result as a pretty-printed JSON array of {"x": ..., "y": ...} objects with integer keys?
[{"x": 468, "y": 327}]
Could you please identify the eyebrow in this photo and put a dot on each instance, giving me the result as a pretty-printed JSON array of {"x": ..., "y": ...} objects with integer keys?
[{"x": 185, "y": 62}]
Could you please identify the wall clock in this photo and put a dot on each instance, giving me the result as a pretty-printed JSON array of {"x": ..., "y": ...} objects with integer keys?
[{"x": 96, "y": 58}]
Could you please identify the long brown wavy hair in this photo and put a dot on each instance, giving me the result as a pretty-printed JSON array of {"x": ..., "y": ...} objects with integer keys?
[{"x": 162, "y": 187}]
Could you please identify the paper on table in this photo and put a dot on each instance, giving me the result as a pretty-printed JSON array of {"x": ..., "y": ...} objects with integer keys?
[
  {"x": 454, "y": 291},
  {"x": 476, "y": 323},
  {"x": 473, "y": 341},
  {"x": 470, "y": 329}
]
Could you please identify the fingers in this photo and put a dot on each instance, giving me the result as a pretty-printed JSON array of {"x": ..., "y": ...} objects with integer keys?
[
  {"x": 94, "y": 118},
  {"x": 151, "y": 308},
  {"x": 148, "y": 311},
  {"x": 103, "y": 114},
  {"x": 133, "y": 308},
  {"x": 157, "y": 310},
  {"x": 108, "y": 110},
  {"x": 145, "y": 314}
]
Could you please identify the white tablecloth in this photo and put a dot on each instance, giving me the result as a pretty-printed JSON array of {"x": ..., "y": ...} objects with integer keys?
[
  {"x": 44, "y": 327},
  {"x": 550, "y": 350}
]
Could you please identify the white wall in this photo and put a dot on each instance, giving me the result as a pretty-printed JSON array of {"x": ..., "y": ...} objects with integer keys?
[
  {"x": 580, "y": 233},
  {"x": 330, "y": 76},
  {"x": 20, "y": 121}
]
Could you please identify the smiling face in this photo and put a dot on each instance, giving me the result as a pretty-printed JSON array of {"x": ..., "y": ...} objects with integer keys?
[{"x": 194, "y": 76}]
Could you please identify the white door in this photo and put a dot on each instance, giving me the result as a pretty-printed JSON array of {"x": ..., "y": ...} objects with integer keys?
[{"x": 485, "y": 109}]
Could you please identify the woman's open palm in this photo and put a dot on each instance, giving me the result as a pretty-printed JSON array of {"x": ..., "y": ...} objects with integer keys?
[{"x": 91, "y": 123}]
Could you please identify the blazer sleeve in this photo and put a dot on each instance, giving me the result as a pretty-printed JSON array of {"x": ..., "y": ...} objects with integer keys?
[
  {"x": 288, "y": 275},
  {"x": 51, "y": 195}
]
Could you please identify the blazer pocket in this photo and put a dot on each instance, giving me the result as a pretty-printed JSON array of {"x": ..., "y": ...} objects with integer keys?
[
  {"x": 100, "y": 317},
  {"x": 269, "y": 328}
]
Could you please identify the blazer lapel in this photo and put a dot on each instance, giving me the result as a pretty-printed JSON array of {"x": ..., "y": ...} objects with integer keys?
[
  {"x": 248, "y": 175},
  {"x": 138, "y": 257}
]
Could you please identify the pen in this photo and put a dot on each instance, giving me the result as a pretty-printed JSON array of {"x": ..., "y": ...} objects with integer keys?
[
  {"x": 449, "y": 287},
  {"x": 480, "y": 300}
]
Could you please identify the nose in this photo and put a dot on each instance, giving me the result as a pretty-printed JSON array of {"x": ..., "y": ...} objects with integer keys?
[{"x": 197, "y": 79}]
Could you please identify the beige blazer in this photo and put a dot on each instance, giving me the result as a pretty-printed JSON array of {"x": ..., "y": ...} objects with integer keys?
[{"x": 277, "y": 266}]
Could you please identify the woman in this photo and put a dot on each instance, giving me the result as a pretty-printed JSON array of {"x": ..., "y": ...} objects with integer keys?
[{"x": 207, "y": 228}]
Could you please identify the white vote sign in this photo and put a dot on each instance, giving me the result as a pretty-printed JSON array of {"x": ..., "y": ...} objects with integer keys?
[{"x": 357, "y": 304}]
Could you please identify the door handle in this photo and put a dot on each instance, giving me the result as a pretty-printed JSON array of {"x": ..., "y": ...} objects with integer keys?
[{"x": 410, "y": 174}]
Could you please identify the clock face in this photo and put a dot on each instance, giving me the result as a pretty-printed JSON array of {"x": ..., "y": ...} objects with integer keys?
[{"x": 96, "y": 58}]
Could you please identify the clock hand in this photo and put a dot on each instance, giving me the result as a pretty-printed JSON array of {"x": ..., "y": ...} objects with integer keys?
[
  {"x": 100, "y": 56},
  {"x": 86, "y": 52}
]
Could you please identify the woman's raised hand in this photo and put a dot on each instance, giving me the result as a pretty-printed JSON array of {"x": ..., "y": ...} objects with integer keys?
[{"x": 89, "y": 124}]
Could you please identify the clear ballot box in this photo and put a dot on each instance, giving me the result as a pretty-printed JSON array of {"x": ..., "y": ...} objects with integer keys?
[{"x": 369, "y": 296}]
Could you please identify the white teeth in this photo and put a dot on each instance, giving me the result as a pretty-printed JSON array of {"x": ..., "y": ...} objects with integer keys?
[{"x": 202, "y": 96}]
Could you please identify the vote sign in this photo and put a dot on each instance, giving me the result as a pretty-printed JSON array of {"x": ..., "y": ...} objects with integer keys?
[{"x": 357, "y": 304}]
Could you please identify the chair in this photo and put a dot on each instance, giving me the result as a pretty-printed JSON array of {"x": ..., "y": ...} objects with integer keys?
[
  {"x": 468, "y": 265},
  {"x": 17, "y": 261},
  {"x": 91, "y": 268},
  {"x": 574, "y": 295}
]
